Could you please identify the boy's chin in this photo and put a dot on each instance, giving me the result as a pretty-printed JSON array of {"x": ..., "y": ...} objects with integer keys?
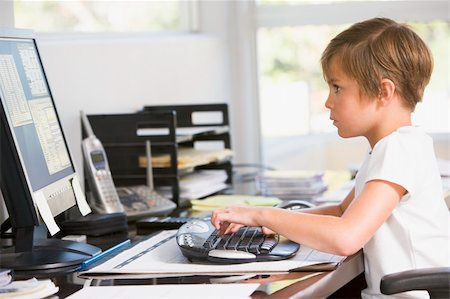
[{"x": 345, "y": 134}]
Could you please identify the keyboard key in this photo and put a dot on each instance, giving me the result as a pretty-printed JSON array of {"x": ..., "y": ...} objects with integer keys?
[
  {"x": 236, "y": 239},
  {"x": 223, "y": 242},
  {"x": 268, "y": 244}
]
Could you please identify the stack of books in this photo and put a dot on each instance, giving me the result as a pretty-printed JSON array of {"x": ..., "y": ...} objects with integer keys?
[{"x": 291, "y": 184}]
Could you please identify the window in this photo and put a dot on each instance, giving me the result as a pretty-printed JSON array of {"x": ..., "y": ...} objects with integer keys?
[
  {"x": 292, "y": 90},
  {"x": 291, "y": 76},
  {"x": 96, "y": 16}
]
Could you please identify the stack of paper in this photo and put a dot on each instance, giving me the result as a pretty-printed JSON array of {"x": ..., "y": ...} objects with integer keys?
[
  {"x": 199, "y": 184},
  {"x": 160, "y": 256},
  {"x": 291, "y": 184},
  {"x": 31, "y": 288},
  {"x": 444, "y": 167},
  {"x": 339, "y": 184},
  {"x": 223, "y": 201},
  {"x": 189, "y": 158},
  {"x": 5, "y": 277}
]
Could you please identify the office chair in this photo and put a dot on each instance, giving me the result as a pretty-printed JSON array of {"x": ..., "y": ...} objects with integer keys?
[{"x": 436, "y": 281}]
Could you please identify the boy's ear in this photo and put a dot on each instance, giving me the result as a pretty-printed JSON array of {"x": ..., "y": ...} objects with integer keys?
[{"x": 387, "y": 91}]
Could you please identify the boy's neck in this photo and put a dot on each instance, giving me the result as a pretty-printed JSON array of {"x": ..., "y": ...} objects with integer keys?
[{"x": 390, "y": 121}]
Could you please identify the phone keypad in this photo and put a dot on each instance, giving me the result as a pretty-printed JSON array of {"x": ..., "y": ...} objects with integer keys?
[{"x": 138, "y": 200}]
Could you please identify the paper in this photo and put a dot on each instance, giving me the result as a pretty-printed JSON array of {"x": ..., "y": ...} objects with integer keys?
[
  {"x": 46, "y": 214},
  {"x": 26, "y": 289},
  {"x": 183, "y": 131},
  {"x": 201, "y": 130},
  {"x": 160, "y": 256},
  {"x": 5, "y": 277},
  {"x": 80, "y": 198},
  {"x": 198, "y": 184},
  {"x": 337, "y": 195},
  {"x": 444, "y": 167},
  {"x": 291, "y": 184},
  {"x": 223, "y": 201},
  {"x": 198, "y": 291},
  {"x": 188, "y": 158},
  {"x": 299, "y": 175}
]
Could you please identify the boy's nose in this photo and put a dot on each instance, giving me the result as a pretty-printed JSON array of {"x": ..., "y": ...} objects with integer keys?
[{"x": 328, "y": 103}]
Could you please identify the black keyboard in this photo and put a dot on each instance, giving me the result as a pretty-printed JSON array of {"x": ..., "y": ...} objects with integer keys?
[{"x": 200, "y": 241}]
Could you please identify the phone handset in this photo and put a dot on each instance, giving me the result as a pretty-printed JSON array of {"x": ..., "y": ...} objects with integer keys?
[{"x": 105, "y": 198}]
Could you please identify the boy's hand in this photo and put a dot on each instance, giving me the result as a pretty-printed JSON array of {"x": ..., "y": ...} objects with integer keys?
[{"x": 231, "y": 219}]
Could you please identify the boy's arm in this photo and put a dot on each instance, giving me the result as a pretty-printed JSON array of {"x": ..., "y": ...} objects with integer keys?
[
  {"x": 342, "y": 235},
  {"x": 246, "y": 219}
]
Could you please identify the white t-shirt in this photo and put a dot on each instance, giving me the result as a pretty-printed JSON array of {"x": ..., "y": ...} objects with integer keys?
[{"x": 416, "y": 235}]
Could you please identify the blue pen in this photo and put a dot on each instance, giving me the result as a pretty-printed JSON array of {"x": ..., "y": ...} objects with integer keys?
[{"x": 101, "y": 255}]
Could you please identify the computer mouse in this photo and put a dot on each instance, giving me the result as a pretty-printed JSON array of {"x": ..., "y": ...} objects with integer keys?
[{"x": 295, "y": 204}]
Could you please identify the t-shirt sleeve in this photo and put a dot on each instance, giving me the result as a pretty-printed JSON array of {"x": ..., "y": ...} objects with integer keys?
[{"x": 393, "y": 160}]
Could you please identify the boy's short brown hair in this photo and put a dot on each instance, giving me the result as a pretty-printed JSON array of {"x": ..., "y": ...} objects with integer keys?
[{"x": 382, "y": 48}]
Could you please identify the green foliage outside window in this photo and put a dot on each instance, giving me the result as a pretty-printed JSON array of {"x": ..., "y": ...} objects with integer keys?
[{"x": 94, "y": 16}]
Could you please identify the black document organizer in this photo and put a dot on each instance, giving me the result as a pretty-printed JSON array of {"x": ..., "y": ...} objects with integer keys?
[
  {"x": 184, "y": 119},
  {"x": 123, "y": 146}
]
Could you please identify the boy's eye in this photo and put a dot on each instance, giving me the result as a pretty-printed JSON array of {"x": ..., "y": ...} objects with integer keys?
[{"x": 336, "y": 88}]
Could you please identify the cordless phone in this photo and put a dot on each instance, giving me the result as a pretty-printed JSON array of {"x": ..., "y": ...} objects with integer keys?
[
  {"x": 135, "y": 201},
  {"x": 104, "y": 197}
]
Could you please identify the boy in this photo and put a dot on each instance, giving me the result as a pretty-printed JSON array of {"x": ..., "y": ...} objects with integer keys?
[{"x": 376, "y": 71}]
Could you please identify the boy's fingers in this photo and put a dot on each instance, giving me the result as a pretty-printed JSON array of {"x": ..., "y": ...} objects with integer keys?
[
  {"x": 267, "y": 231},
  {"x": 216, "y": 218},
  {"x": 224, "y": 227}
]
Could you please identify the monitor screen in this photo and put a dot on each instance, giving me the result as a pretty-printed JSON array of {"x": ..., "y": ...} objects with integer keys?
[{"x": 33, "y": 126}]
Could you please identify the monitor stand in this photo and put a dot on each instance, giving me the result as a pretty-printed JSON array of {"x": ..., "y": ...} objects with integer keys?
[{"x": 35, "y": 255}]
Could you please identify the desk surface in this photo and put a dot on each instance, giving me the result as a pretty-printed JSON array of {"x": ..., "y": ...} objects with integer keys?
[{"x": 294, "y": 284}]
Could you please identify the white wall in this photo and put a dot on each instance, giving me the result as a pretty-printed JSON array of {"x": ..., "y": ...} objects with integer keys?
[
  {"x": 117, "y": 73},
  {"x": 6, "y": 14}
]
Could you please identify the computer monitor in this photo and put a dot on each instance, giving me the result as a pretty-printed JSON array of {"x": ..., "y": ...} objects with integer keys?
[{"x": 38, "y": 178}]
